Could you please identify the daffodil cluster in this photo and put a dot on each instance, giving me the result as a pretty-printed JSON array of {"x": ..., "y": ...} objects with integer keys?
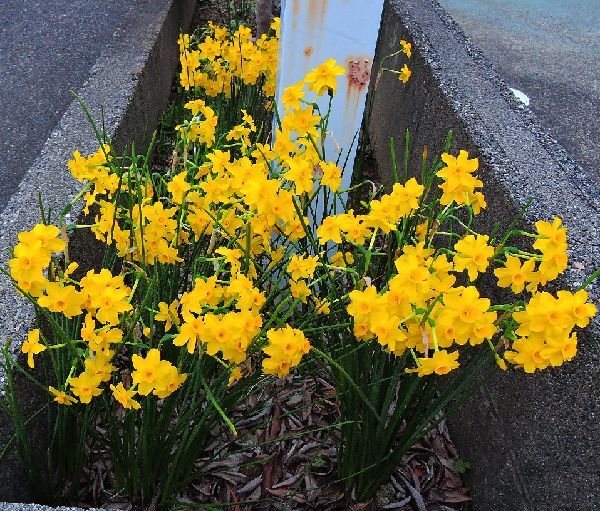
[
  {"x": 32, "y": 256},
  {"x": 221, "y": 57},
  {"x": 405, "y": 72},
  {"x": 459, "y": 184},
  {"x": 239, "y": 257},
  {"x": 285, "y": 350},
  {"x": 223, "y": 256},
  {"x": 545, "y": 334},
  {"x": 98, "y": 302},
  {"x": 94, "y": 170},
  {"x": 423, "y": 309}
]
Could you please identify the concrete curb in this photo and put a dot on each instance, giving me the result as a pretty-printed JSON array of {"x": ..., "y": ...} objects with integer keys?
[
  {"x": 129, "y": 86},
  {"x": 530, "y": 439}
]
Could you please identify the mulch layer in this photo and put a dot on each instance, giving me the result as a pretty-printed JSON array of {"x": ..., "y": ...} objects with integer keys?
[{"x": 284, "y": 458}]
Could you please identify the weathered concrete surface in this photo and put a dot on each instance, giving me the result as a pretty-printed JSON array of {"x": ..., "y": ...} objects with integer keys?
[
  {"x": 130, "y": 83},
  {"x": 47, "y": 48},
  {"x": 532, "y": 440},
  {"x": 550, "y": 50}
]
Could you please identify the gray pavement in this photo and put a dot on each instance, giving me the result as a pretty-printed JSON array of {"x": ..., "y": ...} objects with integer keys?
[
  {"x": 130, "y": 79},
  {"x": 47, "y": 48},
  {"x": 549, "y": 50}
]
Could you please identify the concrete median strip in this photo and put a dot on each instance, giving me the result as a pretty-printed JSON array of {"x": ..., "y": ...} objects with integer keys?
[
  {"x": 129, "y": 86},
  {"x": 529, "y": 439}
]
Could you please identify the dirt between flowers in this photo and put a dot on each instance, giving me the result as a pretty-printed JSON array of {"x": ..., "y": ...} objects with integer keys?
[{"x": 284, "y": 458}]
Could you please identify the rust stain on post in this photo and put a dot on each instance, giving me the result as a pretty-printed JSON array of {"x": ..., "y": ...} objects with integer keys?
[
  {"x": 317, "y": 10},
  {"x": 315, "y": 16},
  {"x": 358, "y": 74},
  {"x": 295, "y": 12}
]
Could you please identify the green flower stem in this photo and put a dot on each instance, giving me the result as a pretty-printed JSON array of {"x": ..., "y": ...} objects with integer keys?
[
  {"x": 404, "y": 320},
  {"x": 213, "y": 401},
  {"x": 72, "y": 227},
  {"x": 135, "y": 285},
  {"x": 430, "y": 309},
  {"x": 501, "y": 308},
  {"x": 68, "y": 207},
  {"x": 445, "y": 233},
  {"x": 414, "y": 356},
  {"x": 521, "y": 253},
  {"x": 590, "y": 279},
  {"x": 434, "y": 335},
  {"x": 493, "y": 349},
  {"x": 328, "y": 327},
  {"x": 349, "y": 379},
  {"x": 523, "y": 233},
  {"x": 274, "y": 315}
]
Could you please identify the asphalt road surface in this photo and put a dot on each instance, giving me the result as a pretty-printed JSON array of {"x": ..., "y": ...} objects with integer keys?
[
  {"x": 47, "y": 48},
  {"x": 550, "y": 51}
]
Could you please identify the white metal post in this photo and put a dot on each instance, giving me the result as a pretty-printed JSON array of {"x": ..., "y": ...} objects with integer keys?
[{"x": 313, "y": 31}]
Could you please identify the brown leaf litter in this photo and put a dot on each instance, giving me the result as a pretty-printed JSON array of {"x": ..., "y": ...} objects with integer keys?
[{"x": 284, "y": 458}]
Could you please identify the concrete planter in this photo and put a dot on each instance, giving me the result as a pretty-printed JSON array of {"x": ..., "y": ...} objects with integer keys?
[
  {"x": 130, "y": 84},
  {"x": 530, "y": 439}
]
